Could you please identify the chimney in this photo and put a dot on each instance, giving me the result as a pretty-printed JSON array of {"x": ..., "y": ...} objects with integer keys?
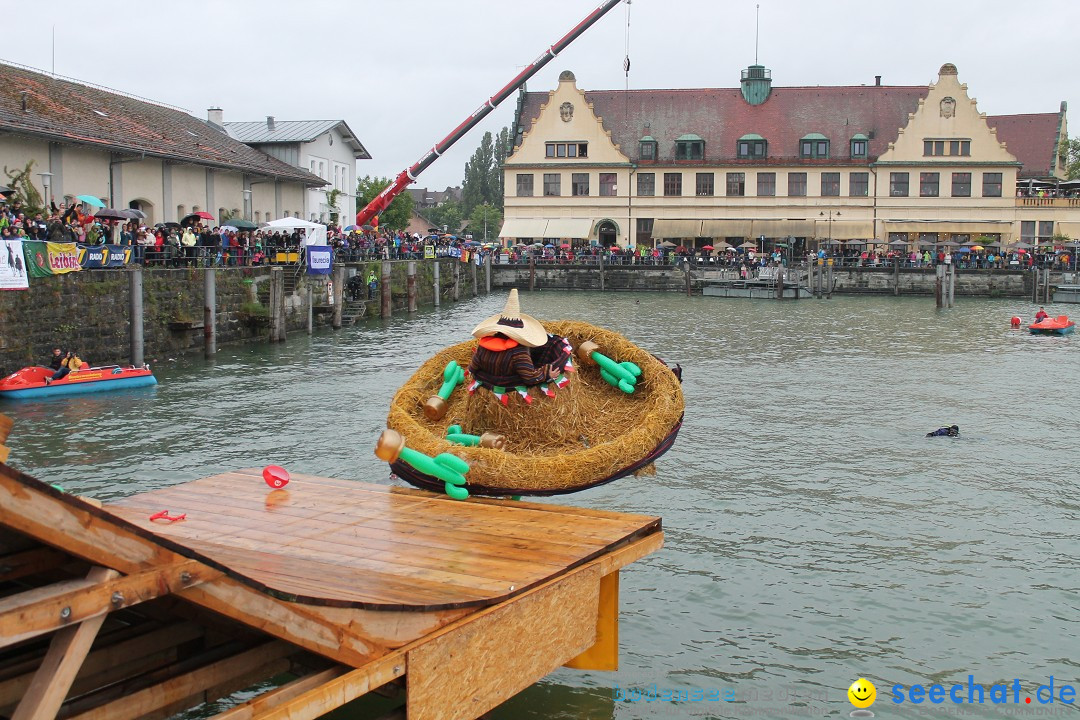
[
  {"x": 270, "y": 122},
  {"x": 216, "y": 116},
  {"x": 24, "y": 96},
  {"x": 877, "y": 81}
]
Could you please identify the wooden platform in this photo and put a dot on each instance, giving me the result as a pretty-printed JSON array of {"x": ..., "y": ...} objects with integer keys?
[
  {"x": 342, "y": 543},
  {"x": 343, "y": 587}
]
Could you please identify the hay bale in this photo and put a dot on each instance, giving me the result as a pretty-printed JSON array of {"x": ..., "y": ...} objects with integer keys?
[{"x": 587, "y": 433}]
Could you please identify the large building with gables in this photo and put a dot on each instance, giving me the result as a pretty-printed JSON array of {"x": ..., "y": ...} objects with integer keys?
[{"x": 804, "y": 164}]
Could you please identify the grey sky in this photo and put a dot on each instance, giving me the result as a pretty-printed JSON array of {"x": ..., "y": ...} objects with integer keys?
[{"x": 404, "y": 73}]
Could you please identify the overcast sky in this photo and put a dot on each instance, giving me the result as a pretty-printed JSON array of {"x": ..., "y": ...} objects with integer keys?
[{"x": 404, "y": 73}]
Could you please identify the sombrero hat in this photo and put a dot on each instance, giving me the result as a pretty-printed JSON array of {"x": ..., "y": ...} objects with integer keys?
[{"x": 514, "y": 324}]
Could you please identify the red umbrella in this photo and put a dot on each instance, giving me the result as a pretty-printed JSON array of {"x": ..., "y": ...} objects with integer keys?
[
  {"x": 706, "y": 247},
  {"x": 204, "y": 215},
  {"x": 565, "y": 246}
]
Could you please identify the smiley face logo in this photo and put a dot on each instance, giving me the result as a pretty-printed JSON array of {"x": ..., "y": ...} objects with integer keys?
[{"x": 862, "y": 693}]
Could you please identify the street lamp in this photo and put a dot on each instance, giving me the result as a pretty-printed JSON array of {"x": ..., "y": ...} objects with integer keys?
[
  {"x": 247, "y": 204},
  {"x": 46, "y": 181},
  {"x": 830, "y": 213}
]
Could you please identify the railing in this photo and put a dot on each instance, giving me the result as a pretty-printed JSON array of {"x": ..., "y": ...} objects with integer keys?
[{"x": 1072, "y": 202}]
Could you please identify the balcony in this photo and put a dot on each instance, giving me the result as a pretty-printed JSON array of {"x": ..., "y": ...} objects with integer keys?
[{"x": 1048, "y": 202}]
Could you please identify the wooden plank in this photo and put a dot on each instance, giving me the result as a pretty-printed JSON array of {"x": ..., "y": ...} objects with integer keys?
[
  {"x": 463, "y": 674},
  {"x": 187, "y": 685},
  {"x": 36, "y": 612},
  {"x": 6, "y": 423},
  {"x": 280, "y": 696},
  {"x": 604, "y": 653},
  {"x": 5, "y": 451},
  {"x": 67, "y": 651},
  {"x": 30, "y": 562}
]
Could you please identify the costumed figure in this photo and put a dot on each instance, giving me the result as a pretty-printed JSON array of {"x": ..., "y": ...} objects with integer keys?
[{"x": 950, "y": 431}]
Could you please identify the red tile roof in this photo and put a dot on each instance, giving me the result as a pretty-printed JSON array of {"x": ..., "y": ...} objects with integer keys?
[
  {"x": 68, "y": 111},
  {"x": 1033, "y": 139},
  {"x": 721, "y": 116}
]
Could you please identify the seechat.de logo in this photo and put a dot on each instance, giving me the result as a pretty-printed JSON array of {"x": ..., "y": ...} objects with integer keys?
[{"x": 862, "y": 695}]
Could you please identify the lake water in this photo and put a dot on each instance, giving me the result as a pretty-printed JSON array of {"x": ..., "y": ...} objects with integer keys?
[{"x": 813, "y": 535}]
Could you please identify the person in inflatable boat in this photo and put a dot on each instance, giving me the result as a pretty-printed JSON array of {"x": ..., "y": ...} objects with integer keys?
[
  {"x": 950, "y": 431},
  {"x": 514, "y": 350}
]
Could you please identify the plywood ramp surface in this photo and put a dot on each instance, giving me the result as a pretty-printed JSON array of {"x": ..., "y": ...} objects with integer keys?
[{"x": 337, "y": 542}]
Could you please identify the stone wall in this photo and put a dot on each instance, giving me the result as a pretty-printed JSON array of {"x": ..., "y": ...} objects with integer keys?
[
  {"x": 923, "y": 281},
  {"x": 90, "y": 310},
  {"x": 641, "y": 278}
]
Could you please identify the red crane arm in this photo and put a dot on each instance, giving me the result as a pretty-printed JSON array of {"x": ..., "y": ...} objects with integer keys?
[{"x": 391, "y": 191}]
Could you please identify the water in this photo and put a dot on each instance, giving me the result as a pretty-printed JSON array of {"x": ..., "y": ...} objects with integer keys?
[{"x": 813, "y": 534}]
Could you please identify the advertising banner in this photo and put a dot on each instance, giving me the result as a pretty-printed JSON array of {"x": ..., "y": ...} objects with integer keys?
[
  {"x": 319, "y": 259},
  {"x": 36, "y": 257},
  {"x": 63, "y": 257},
  {"x": 13, "y": 272},
  {"x": 104, "y": 256},
  {"x": 429, "y": 252}
]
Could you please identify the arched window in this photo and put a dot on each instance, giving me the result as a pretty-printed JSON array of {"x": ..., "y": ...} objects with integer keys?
[
  {"x": 222, "y": 215},
  {"x": 181, "y": 211},
  {"x": 195, "y": 208},
  {"x": 257, "y": 216}
]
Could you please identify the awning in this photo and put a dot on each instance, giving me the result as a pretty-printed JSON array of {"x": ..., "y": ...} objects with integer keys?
[
  {"x": 523, "y": 228},
  {"x": 676, "y": 229},
  {"x": 783, "y": 228},
  {"x": 952, "y": 227},
  {"x": 569, "y": 228},
  {"x": 845, "y": 229},
  {"x": 725, "y": 228},
  {"x": 1071, "y": 229}
]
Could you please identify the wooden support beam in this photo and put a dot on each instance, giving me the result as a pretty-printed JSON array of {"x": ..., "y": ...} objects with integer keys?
[
  {"x": 5, "y": 429},
  {"x": 67, "y": 651},
  {"x": 278, "y": 697},
  {"x": 30, "y": 562},
  {"x": 143, "y": 653},
  {"x": 182, "y": 688},
  {"x": 36, "y": 612}
]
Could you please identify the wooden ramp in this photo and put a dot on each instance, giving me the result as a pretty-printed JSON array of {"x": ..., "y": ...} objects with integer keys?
[{"x": 344, "y": 586}]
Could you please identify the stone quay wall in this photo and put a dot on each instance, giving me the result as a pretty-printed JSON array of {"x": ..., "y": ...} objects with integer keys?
[{"x": 90, "y": 310}]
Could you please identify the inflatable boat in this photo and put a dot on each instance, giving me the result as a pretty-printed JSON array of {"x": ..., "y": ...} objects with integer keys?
[
  {"x": 30, "y": 382},
  {"x": 1061, "y": 325}
]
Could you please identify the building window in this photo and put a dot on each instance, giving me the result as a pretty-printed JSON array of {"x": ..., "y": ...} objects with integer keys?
[
  {"x": 736, "y": 184},
  {"x": 672, "y": 184},
  {"x": 222, "y": 215},
  {"x": 552, "y": 184},
  {"x": 647, "y": 149},
  {"x": 644, "y": 230},
  {"x": 689, "y": 149},
  {"x": 796, "y": 184},
  {"x": 859, "y": 184},
  {"x": 830, "y": 184},
  {"x": 928, "y": 184},
  {"x": 607, "y": 184},
  {"x": 898, "y": 184},
  {"x": 812, "y": 147},
  {"x": 704, "y": 184},
  {"x": 752, "y": 149},
  {"x": 525, "y": 185},
  {"x": 991, "y": 184},
  {"x": 181, "y": 211},
  {"x": 566, "y": 150},
  {"x": 646, "y": 184},
  {"x": 766, "y": 184},
  {"x": 1027, "y": 231},
  {"x": 942, "y": 148},
  {"x": 961, "y": 184},
  {"x": 579, "y": 184},
  {"x": 1046, "y": 230},
  {"x": 858, "y": 148}
]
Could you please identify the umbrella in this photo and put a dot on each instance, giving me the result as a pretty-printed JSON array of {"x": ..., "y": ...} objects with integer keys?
[
  {"x": 367, "y": 227},
  {"x": 1022, "y": 246},
  {"x": 230, "y": 228},
  {"x": 976, "y": 248},
  {"x": 195, "y": 216},
  {"x": 707, "y": 247},
  {"x": 963, "y": 250},
  {"x": 111, "y": 214},
  {"x": 134, "y": 214},
  {"x": 169, "y": 224},
  {"x": 243, "y": 224},
  {"x": 549, "y": 245},
  {"x": 824, "y": 242},
  {"x": 680, "y": 249},
  {"x": 855, "y": 242},
  {"x": 90, "y": 200},
  {"x": 565, "y": 246},
  {"x": 667, "y": 244},
  {"x": 898, "y": 243},
  {"x": 748, "y": 245},
  {"x": 614, "y": 247},
  {"x": 5, "y": 190},
  {"x": 350, "y": 228}
]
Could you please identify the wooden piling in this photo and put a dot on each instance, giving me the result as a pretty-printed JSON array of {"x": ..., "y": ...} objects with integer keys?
[
  {"x": 600, "y": 260},
  {"x": 896, "y": 277},
  {"x": 387, "y": 298},
  {"x": 209, "y": 312},
  {"x": 437, "y": 283},
  {"x": 829, "y": 283},
  {"x": 339, "y": 296},
  {"x": 779, "y": 282},
  {"x": 532, "y": 272},
  {"x": 410, "y": 285},
  {"x": 277, "y": 304},
  {"x": 135, "y": 285},
  {"x": 475, "y": 288},
  {"x": 310, "y": 310},
  {"x": 487, "y": 272},
  {"x": 952, "y": 285},
  {"x": 939, "y": 281},
  {"x": 457, "y": 280}
]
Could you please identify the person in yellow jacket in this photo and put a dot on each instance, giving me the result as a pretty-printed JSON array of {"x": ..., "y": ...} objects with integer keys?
[{"x": 71, "y": 362}]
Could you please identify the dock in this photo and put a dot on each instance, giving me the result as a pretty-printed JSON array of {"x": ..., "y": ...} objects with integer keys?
[{"x": 340, "y": 587}]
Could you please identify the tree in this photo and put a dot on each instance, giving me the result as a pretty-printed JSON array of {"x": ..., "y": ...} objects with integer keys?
[
  {"x": 448, "y": 215},
  {"x": 493, "y": 217},
  {"x": 397, "y": 215},
  {"x": 1070, "y": 149},
  {"x": 484, "y": 172},
  {"x": 504, "y": 145}
]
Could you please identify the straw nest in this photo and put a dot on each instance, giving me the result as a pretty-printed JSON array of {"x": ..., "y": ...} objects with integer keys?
[{"x": 585, "y": 435}]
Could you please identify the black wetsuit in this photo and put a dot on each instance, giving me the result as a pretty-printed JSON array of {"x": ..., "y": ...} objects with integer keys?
[{"x": 953, "y": 431}]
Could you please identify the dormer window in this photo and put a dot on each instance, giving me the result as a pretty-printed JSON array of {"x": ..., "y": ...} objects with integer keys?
[
  {"x": 647, "y": 148},
  {"x": 751, "y": 147},
  {"x": 814, "y": 145},
  {"x": 566, "y": 150},
  {"x": 689, "y": 147},
  {"x": 859, "y": 145}
]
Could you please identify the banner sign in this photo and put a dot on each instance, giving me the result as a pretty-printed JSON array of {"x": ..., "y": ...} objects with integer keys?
[
  {"x": 319, "y": 259},
  {"x": 13, "y": 271},
  {"x": 429, "y": 252},
  {"x": 104, "y": 256},
  {"x": 63, "y": 258},
  {"x": 454, "y": 252},
  {"x": 36, "y": 257}
]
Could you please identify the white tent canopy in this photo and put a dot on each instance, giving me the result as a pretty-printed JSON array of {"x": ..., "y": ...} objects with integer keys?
[{"x": 314, "y": 233}]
